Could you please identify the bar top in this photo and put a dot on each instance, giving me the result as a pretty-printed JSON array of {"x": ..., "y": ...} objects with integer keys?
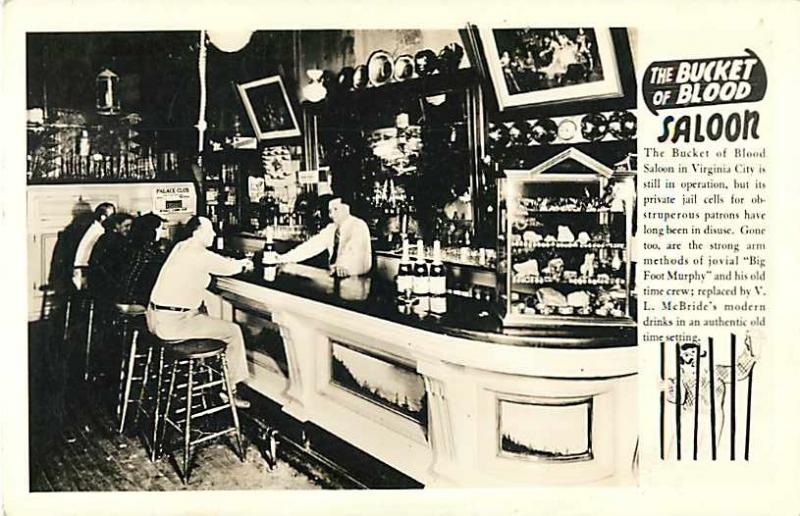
[{"x": 465, "y": 317}]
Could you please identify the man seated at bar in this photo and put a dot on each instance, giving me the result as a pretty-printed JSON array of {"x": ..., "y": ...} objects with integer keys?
[
  {"x": 346, "y": 239},
  {"x": 109, "y": 259},
  {"x": 89, "y": 239},
  {"x": 146, "y": 258},
  {"x": 175, "y": 311}
]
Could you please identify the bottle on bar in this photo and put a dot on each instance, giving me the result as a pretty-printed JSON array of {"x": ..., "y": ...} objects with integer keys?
[
  {"x": 269, "y": 257},
  {"x": 420, "y": 282},
  {"x": 220, "y": 239},
  {"x": 438, "y": 281},
  {"x": 405, "y": 273}
]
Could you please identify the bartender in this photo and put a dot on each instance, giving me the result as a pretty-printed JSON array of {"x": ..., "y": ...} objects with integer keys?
[
  {"x": 175, "y": 311},
  {"x": 346, "y": 239}
]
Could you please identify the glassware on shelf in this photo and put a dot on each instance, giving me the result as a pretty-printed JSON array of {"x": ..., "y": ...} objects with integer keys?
[{"x": 565, "y": 243}]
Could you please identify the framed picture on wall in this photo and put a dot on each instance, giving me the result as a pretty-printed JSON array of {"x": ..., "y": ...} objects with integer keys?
[
  {"x": 269, "y": 109},
  {"x": 547, "y": 66}
]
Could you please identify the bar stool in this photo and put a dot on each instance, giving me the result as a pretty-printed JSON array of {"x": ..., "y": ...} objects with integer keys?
[
  {"x": 80, "y": 296},
  {"x": 152, "y": 397},
  {"x": 130, "y": 320},
  {"x": 49, "y": 302},
  {"x": 206, "y": 370}
]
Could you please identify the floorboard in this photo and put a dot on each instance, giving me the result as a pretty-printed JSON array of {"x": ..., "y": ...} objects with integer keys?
[{"x": 75, "y": 445}]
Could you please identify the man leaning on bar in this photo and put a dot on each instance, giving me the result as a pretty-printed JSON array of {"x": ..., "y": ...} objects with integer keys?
[
  {"x": 175, "y": 311},
  {"x": 346, "y": 239}
]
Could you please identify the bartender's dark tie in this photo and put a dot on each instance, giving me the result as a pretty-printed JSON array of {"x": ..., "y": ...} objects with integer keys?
[{"x": 335, "y": 251}]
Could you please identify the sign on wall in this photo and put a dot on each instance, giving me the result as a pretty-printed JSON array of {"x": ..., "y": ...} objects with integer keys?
[{"x": 173, "y": 199}]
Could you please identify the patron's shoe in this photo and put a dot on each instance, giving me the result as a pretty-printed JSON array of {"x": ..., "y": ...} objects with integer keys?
[{"x": 239, "y": 402}]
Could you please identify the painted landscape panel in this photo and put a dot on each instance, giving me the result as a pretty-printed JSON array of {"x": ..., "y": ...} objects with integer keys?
[
  {"x": 390, "y": 384},
  {"x": 548, "y": 431}
]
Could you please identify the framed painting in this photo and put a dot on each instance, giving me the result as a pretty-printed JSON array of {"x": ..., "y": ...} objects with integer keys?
[
  {"x": 269, "y": 109},
  {"x": 552, "y": 66}
]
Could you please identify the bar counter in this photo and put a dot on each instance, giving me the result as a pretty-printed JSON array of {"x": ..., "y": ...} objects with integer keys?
[{"x": 449, "y": 400}]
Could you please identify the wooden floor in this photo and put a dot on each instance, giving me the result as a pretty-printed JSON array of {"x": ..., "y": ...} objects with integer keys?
[{"x": 74, "y": 445}]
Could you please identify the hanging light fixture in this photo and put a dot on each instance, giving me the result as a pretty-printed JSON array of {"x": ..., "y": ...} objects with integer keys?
[
  {"x": 230, "y": 40},
  {"x": 227, "y": 41},
  {"x": 314, "y": 91},
  {"x": 107, "y": 92}
]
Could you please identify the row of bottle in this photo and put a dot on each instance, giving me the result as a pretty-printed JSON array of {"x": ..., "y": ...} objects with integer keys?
[{"x": 423, "y": 282}]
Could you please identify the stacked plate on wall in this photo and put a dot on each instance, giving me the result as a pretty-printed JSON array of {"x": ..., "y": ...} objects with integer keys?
[{"x": 382, "y": 68}]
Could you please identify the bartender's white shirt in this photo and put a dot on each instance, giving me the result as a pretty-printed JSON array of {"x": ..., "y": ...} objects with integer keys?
[
  {"x": 355, "y": 246},
  {"x": 84, "y": 252},
  {"x": 187, "y": 272}
]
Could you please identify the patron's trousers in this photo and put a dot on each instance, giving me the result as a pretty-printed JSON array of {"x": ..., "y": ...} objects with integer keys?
[{"x": 168, "y": 325}]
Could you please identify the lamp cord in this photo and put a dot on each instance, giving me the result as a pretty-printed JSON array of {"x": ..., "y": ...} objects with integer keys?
[{"x": 201, "y": 121}]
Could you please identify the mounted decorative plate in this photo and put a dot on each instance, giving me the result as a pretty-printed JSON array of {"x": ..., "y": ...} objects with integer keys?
[
  {"x": 622, "y": 125},
  {"x": 498, "y": 136},
  {"x": 380, "y": 67},
  {"x": 425, "y": 62},
  {"x": 594, "y": 126},
  {"x": 567, "y": 129},
  {"x": 521, "y": 133},
  {"x": 544, "y": 131},
  {"x": 345, "y": 78},
  {"x": 450, "y": 57},
  {"x": 403, "y": 67},
  {"x": 360, "y": 77}
]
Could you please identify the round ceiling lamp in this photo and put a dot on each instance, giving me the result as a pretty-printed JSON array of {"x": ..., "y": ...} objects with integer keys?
[{"x": 230, "y": 40}]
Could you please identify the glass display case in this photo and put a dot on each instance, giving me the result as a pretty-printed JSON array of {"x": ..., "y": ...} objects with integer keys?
[{"x": 564, "y": 244}]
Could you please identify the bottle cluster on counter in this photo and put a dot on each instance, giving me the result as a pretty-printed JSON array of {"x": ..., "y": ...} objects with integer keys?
[
  {"x": 471, "y": 256},
  {"x": 419, "y": 284}
]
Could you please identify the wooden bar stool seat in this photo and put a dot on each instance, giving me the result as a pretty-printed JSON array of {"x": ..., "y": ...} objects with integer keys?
[{"x": 195, "y": 348}]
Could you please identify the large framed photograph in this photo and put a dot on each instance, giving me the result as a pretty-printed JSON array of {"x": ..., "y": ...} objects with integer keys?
[
  {"x": 269, "y": 109},
  {"x": 544, "y": 66}
]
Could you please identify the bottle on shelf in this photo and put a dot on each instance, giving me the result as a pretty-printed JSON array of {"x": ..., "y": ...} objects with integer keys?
[
  {"x": 83, "y": 144},
  {"x": 421, "y": 281},
  {"x": 404, "y": 281},
  {"x": 464, "y": 251},
  {"x": 269, "y": 258},
  {"x": 616, "y": 261},
  {"x": 219, "y": 241},
  {"x": 437, "y": 283}
]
